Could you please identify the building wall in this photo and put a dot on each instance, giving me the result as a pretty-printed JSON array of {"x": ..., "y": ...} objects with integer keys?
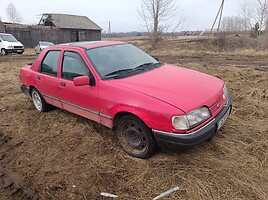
[
  {"x": 84, "y": 35},
  {"x": 2, "y": 28},
  {"x": 30, "y": 35}
]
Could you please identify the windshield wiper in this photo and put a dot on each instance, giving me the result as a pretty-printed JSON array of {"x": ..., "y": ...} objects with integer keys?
[
  {"x": 146, "y": 66},
  {"x": 117, "y": 72}
]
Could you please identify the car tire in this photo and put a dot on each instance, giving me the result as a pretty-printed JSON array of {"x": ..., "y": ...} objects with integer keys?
[
  {"x": 3, "y": 52},
  {"x": 39, "y": 102},
  {"x": 135, "y": 137},
  {"x": 20, "y": 53}
]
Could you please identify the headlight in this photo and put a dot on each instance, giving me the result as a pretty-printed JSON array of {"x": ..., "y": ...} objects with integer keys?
[
  {"x": 10, "y": 47},
  {"x": 225, "y": 92},
  {"x": 191, "y": 119}
]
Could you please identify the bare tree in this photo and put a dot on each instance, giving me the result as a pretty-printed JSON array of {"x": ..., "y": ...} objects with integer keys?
[
  {"x": 263, "y": 13},
  {"x": 232, "y": 24},
  {"x": 246, "y": 15},
  {"x": 12, "y": 13},
  {"x": 255, "y": 12},
  {"x": 159, "y": 16}
]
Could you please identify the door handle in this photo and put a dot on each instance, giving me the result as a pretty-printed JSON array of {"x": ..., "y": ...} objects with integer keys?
[
  {"x": 62, "y": 84},
  {"x": 38, "y": 77}
]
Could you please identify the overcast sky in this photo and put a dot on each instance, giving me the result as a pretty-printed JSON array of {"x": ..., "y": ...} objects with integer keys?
[{"x": 122, "y": 13}]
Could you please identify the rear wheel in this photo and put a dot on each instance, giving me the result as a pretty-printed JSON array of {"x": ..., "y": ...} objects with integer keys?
[
  {"x": 3, "y": 52},
  {"x": 135, "y": 137},
  {"x": 39, "y": 102}
]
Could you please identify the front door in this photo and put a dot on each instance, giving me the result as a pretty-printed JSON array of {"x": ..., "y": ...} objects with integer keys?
[{"x": 82, "y": 100}]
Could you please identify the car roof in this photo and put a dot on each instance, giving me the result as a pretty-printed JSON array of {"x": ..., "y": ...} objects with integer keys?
[
  {"x": 5, "y": 34},
  {"x": 91, "y": 44},
  {"x": 44, "y": 41}
]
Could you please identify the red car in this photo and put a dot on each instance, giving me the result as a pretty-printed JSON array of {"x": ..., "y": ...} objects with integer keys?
[{"x": 147, "y": 103}]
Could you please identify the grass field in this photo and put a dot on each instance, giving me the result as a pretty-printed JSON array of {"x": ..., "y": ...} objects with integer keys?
[{"x": 59, "y": 155}]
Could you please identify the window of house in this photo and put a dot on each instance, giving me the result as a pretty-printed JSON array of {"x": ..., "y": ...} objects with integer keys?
[{"x": 82, "y": 36}]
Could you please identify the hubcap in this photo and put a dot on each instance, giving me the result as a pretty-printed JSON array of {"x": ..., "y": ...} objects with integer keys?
[
  {"x": 37, "y": 101},
  {"x": 134, "y": 137}
]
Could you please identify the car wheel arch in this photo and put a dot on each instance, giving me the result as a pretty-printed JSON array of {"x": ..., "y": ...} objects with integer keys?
[
  {"x": 119, "y": 115},
  {"x": 31, "y": 90},
  {"x": 45, "y": 106}
]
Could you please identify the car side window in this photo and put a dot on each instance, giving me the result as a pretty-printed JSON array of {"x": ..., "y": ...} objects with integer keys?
[
  {"x": 49, "y": 65},
  {"x": 74, "y": 66}
]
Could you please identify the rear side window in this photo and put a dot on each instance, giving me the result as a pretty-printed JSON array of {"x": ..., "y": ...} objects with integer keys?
[
  {"x": 73, "y": 66},
  {"x": 49, "y": 65}
]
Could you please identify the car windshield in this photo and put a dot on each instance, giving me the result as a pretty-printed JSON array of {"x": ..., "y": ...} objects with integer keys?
[
  {"x": 8, "y": 38},
  {"x": 121, "y": 60},
  {"x": 46, "y": 43}
]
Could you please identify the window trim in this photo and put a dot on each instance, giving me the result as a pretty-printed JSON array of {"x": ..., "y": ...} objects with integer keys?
[
  {"x": 91, "y": 76},
  {"x": 40, "y": 67}
]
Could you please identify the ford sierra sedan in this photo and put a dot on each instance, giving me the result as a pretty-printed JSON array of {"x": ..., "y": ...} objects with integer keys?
[{"x": 147, "y": 103}]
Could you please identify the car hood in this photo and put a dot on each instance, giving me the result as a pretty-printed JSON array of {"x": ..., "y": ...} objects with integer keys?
[
  {"x": 13, "y": 43},
  {"x": 44, "y": 46},
  {"x": 183, "y": 88}
]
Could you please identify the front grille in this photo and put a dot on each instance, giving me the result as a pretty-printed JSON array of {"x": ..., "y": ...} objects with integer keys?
[
  {"x": 17, "y": 47},
  {"x": 217, "y": 106}
]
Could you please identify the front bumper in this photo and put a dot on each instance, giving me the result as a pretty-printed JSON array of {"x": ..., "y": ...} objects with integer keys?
[
  {"x": 15, "y": 50},
  {"x": 166, "y": 139}
]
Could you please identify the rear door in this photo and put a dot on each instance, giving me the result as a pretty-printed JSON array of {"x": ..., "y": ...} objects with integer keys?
[
  {"x": 82, "y": 100},
  {"x": 47, "y": 81}
]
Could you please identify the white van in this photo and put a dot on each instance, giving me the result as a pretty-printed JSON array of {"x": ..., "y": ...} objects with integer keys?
[{"x": 9, "y": 44}]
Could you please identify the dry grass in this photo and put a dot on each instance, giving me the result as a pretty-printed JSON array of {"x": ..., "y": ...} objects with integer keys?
[{"x": 59, "y": 155}]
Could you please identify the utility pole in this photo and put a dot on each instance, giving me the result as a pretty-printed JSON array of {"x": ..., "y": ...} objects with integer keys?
[
  {"x": 109, "y": 31},
  {"x": 219, "y": 16}
]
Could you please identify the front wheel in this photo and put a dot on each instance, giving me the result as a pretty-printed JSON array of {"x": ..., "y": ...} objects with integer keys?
[
  {"x": 3, "y": 52},
  {"x": 39, "y": 102},
  {"x": 135, "y": 137}
]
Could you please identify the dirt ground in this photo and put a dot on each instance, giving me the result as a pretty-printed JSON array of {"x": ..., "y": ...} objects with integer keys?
[{"x": 59, "y": 155}]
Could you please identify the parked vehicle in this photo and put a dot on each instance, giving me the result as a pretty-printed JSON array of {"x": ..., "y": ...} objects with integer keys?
[
  {"x": 9, "y": 44},
  {"x": 147, "y": 103},
  {"x": 40, "y": 46}
]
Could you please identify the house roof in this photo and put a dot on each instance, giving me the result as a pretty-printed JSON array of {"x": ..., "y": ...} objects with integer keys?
[{"x": 68, "y": 21}]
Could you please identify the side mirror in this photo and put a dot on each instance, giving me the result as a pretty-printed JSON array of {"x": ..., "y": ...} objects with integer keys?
[{"x": 81, "y": 80}]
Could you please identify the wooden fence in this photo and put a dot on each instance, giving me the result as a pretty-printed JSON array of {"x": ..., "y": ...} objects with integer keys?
[
  {"x": 2, "y": 29},
  {"x": 30, "y": 35}
]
